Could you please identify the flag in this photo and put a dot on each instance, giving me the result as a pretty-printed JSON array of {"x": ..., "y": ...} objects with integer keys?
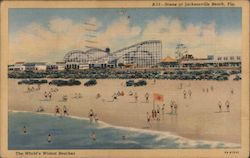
[{"x": 158, "y": 97}]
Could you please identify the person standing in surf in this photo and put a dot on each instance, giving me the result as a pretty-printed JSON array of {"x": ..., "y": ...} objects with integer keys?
[{"x": 49, "y": 139}]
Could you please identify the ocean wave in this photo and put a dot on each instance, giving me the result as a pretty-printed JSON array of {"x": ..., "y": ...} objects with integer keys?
[{"x": 157, "y": 135}]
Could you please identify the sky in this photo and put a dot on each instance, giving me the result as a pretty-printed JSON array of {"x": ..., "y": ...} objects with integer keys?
[{"x": 48, "y": 34}]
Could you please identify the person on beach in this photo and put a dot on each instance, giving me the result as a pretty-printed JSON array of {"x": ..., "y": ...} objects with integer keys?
[
  {"x": 114, "y": 96},
  {"x": 96, "y": 117},
  {"x": 211, "y": 88},
  {"x": 146, "y": 97},
  {"x": 180, "y": 85},
  {"x": 190, "y": 93},
  {"x": 184, "y": 94},
  {"x": 24, "y": 130},
  {"x": 49, "y": 139},
  {"x": 50, "y": 95},
  {"x": 79, "y": 95},
  {"x": 91, "y": 115},
  {"x": 153, "y": 113},
  {"x": 148, "y": 119},
  {"x": 171, "y": 106},
  {"x": 227, "y": 106},
  {"x": 98, "y": 95},
  {"x": 38, "y": 87},
  {"x": 57, "y": 110},
  {"x": 158, "y": 113},
  {"x": 232, "y": 91},
  {"x": 65, "y": 111},
  {"x": 175, "y": 108},
  {"x": 136, "y": 97},
  {"x": 122, "y": 93},
  {"x": 93, "y": 136},
  {"x": 203, "y": 90},
  {"x": 40, "y": 109},
  {"x": 219, "y": 105},
  {"x": 154, "y": 81},
  {"x": 163, "y": 110},
  {"x": 130, "y": 93},
  {"x": 207, "y": 90},
  {"x": 45, "y": 95}
]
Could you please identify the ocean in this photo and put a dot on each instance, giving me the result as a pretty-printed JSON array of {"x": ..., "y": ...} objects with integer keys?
[{"x": 76, "y": 133}]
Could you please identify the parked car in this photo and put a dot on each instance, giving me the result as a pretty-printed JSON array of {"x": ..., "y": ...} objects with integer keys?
[
  {"x": 140, "y": 83},
  {"x": 70, "y": 82},
  {"x": 130, "y": 83},
  {"x": 91, "y": 82},
  {"x": 32, "y": 81}
]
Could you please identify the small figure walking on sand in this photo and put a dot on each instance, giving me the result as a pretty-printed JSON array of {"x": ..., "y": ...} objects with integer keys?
[
  {"x": 171, "y": 106},
  {"x": 146, "y": 97},
  {"x": 91, "y": 115},
  {"x": 57, "y": 110},
  {"x": 232, "y": 91},
  {"x": 207, "y": 90},
  {"x": 158, "y": 113},
  {"x": 136, "y": 97},
  {"x": 24, "y": 130},
  {"x": 212, "y": 88},
  {"x": 49, "y": 138},
  {"x": 227, "y": 106},
  {"x": 203, "y": 90},
  {"x": 190, "y": 93},
  {"x": 175, "y": 108},
  {"x": 219, "y": 105},
  {"x": 50, "y": 95},
  {"x": 154, "y": 81},
  {"x": 114, "y": 96},
  {"x": 65, "y": 111},
  {"x": 45, "y": 95},
  {"x": 163, "y": 109},
  {"x": 93, "y": 136},
  {"x": 184, "y": 94},
  {"x": 98, "y": 96},
  {"x": 148, "y": 119}
]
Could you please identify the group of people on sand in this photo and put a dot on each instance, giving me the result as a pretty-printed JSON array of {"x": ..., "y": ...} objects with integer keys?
[
  {"x": 93, "y": 116},
  {"x": 61, "y": 111},
  {"x": 78, "y": 95},
  {"x": 227, "y": 105},
  {"x": 159, "y": 111},
  {"x": 211, "y": 88},
  {"x": 188, "y": 92},
  {"x": 32, "y": 88}
]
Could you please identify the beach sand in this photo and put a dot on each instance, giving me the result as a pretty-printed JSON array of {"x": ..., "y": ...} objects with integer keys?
[{"x": 197, "y": 116}]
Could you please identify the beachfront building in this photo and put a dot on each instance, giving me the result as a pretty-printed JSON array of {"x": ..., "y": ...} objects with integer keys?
[
  {"x": 18, "y": 66},
  {"x": 212, "y": 61},
  {"x": 169, "y": 62}
]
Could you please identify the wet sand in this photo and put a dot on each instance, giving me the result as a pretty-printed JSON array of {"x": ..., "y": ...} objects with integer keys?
[{"x": 197, "y": 116}]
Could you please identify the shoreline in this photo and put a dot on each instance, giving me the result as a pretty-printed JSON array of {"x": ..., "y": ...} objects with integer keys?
[{"x": 147, "y": 131}]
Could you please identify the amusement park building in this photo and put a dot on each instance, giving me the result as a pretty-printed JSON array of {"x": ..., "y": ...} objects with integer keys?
[{"x": 140, "y": 55}]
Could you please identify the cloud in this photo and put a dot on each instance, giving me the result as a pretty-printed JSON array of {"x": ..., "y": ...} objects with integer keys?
[
  {"x": 118, "y": 33},
  {"x": 201, "y": 39},
  {"x": 37, "y": 42}
]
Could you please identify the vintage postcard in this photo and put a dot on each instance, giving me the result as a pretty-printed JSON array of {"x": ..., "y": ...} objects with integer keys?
[{"x": 124, "y": 79}]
